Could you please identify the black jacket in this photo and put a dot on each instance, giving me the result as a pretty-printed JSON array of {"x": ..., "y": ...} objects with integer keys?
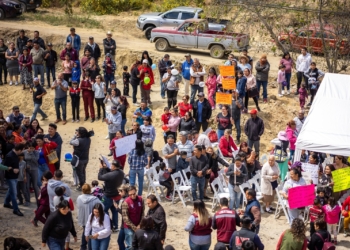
[
  {"x": 159, "y": 219},
  {"x": 316, "y": 243},
  {"x": 113, "y": 180},
  {"x": 214, "y": 163},
  {"x": 254, "y": 128},
  {"x": 206, "y": 111},
  {"x": 146, "y": 240},
  {"x": 21, "y": 42},
  {"x": 96, "y": 53},
  {"x": 107, "y": 46},
  {"x": 187, "y": 125},
  {"x": 162, "y": 65},
  {"x": 52, "y": 59},
  {"x": 40, "y": 41},
  {"x": 11, "y": 160}
]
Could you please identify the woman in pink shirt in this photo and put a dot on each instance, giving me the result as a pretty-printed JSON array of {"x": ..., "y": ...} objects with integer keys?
[
  {"x": 292, "y": 137},
  {"x": 250, "y": 86},
  {"x": 173, "y": 123},
  {"x": 288, "y": 62},
  {"x": 67, "y": 66},
  {"x": 211, "y": 85}
]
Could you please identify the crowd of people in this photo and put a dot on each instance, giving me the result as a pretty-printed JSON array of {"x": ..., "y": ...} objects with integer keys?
[{"x": 31, "y": 159}]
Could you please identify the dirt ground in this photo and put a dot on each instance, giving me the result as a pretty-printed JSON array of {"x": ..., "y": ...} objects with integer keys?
[{"x": 130, "y": 44}]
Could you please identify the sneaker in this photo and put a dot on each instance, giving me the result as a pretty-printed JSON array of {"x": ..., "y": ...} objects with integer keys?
[
  {"x": 16, "y": 83},
  {"x": 107, "y": 137},
  {"x": 78, "y": 188},
  {"x": 265, "y": 100},
  {"x": 86, "y": 118},
  {"x": 77, "y": 120},
  {"x": 288, "y": 92},
  {"x": 282, "y": 92},
  {"x": 11, "y": 83},
  {"x": 34, "y": 222},
  {"x": 43, "y": 118},
  {"x": 269, "y": 211},
  {"x": 168, "y": 197},
  {"x": 279, "y": 95}
]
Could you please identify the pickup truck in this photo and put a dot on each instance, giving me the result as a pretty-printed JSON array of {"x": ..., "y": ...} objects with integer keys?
[
  {"x": 172, "y": 18},
  {"x": 194, "y": 33}
]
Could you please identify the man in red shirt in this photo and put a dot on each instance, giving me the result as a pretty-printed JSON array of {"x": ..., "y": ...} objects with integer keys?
[{"x": 225, "y": 221}]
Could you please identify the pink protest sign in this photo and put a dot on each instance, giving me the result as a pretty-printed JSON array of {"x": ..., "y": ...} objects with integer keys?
[{"x": 301, "y": 196}]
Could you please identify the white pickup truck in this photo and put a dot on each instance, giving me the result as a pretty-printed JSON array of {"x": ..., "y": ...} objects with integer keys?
[{"x": 194, "y": 33}]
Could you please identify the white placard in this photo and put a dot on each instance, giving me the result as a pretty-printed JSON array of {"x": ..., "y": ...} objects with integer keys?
[
  {"x": 313, "y": 170},
  {"x": 105, "y": 160},
  {"x": 124, "y": 145}
]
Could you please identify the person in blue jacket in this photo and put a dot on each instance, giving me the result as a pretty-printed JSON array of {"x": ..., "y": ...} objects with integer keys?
[
  {"x": 76, "y": 72},
  {"x": 186, "y": 66},
  {"x": 74, "y": 39}
]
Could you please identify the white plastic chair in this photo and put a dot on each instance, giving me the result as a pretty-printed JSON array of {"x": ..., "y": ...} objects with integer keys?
[
  {"x": 223, "y": 180},
  {"x": 218, "y": 194},
  {"x": 226, "y": 159},
  {"x": 154, "y": 165},
  {"x": 153, "y": 178},
  {"x": 242, "y": 187},
  {"x": 263, "y": 159},
  {"x": 341, "y": 219},
  {"x": 184, "y": 173},
  {"x": 282, "y": 205},
  {"x": 181, "y": 187}
]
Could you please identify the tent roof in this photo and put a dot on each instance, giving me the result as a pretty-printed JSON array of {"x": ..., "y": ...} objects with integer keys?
[{"x": 327, "y": 127}]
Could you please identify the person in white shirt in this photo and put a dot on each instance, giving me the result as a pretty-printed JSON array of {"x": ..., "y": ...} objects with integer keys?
[
  {"x": 99, "y": 225},
  {"x": 299, "y": 121},
  {"x": 302, "y": 65},
  {"x": 197, "y": 72},
  {"x": 201, "y": 139},
  {"x": 185, "y": 145}
]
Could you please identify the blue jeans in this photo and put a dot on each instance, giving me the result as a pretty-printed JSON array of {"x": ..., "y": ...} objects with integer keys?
[
  {"x": 39, "y": 69},
  {"x": 238, "y": 128},
  {"x": 234, "y": 197},
  {"x": 11, "y": 194},
  {"x": 201, "y": 183},
  {"x": 51, "y": 70},
  {"x": 194, "y": 90},
  {"x": 100, "y": 244},
  {"x": 123, "y": 126},
  {"x": 162, "y": 88},
  {"x": 109, "y": 204},
  {"x": 55, "y": 244},
  {"x": 63, "y": 103},
  {"x": 288, "y": 77},
  {"x": 220, "y": 133},
  {"x": 121, "y": 238},
  {"x": 129, "y": 235},
  {"x": 264, "y": 85},
  {"x": 291, "y": 151},
  {"x": 84, "y": 244},
  {"x": 37, "y": 110},
  {"x": 41, "y": 170},
  {"x": 199, "y": 247},
  {"x": 132, "y": 178},
  {"x": 108, "y": 79}
]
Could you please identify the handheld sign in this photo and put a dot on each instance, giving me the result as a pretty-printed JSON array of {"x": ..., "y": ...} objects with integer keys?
[
  {"x": 301, "y": 196},
  {"x": 223, "y": 98},
  {"x": 125, "y": 145},
  {"x": 228, "y": 83},
  {"x": 341, "y": 178},
  {"x": 227, "y": 70}
]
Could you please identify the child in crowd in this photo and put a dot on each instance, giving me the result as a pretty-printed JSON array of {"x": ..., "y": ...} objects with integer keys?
[
  {"x": 74, "y": 93},
  {"x": 76, "y": 72},
  {"x": 126, "y": 80},
  {"x": 281, "y": 79},
  {"x": 164, "y": 180},
  {"x": 165, "y": 119},
  {"x": 44, "y": 201},
  {"x": 21, "y": 183},
  {"x": 304, "y": 157},
  {"x": 211, "y": 85},
  {"x": 315, "y": 213},
  {"x": 321, "y": 195},
  {"x": 182, "y": 162},
  {"x": 332, "y": 211},
  {"x": 146, "y": 87},
  {"x": 96, "y": 190},
  {"x": 313, "y": 75},
  {"x": 302, "y": 96}
]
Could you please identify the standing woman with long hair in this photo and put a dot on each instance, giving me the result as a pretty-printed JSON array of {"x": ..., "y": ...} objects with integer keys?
[
  {"x": 112, "y": 147},
  {"x": 211, "y": 85},
  {"x": 124, "y": 105},
  {"x": 32, "y": 130},
  {"x": 252, "y": 90},
  {"x": 67, "y": 66},
  {"x": 145, "y": 55},
  {"x": 25, "y": 66},
  {"x": 135, "y": 80},
  {"x": 288, "y": 62},
  {"x": 293, "y": 238},
  {"x": 57, "y": 227},
  {"x": 199, "y": 227},
  {"x": 12, "y": 65},
  {"x": 146, "y": 237},
  {"x": 137, "y": 161},
  {"x": 99, "y": 225},
  {"x": 292, "y": 137}
]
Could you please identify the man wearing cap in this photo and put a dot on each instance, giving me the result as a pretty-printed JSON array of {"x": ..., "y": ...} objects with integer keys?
[
  {"x": 94, "y": 49},
  {"x": 38, "y": 93},
  {"x": 162, "y": 67},
  {"x": 69, "y": 50},
  {"x": 50, "y": 57},
  {"x": 197, "y": 72},
  {"x": 185, "y": 145},
  {"x": 74, "y": 39},
  {"x": 109, "y": 68},
  {"x": 38, "y": 39},
  {"x": 201, "y": 112},
  {"x": 110, "y": 45},
  {"x": 244, "y": 234},
  {"x": 37, "y": 54},
  {"x": 186, "y": 68},
  {"x": 236, "y": 109},
  {"x": 170, "y": 152},
  {"x": 113, "y": 121},
  {"x": 60, "y": 86},
  {"x": 254, "y": 129},
  {"x": 21, "y": 41}
]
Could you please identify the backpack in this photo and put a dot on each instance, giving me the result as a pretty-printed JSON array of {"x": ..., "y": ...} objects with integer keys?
[
  {"x": 213, "y": 137},
  {"x": 326, "y": 244},
  {"x": 98, "y": 192}
]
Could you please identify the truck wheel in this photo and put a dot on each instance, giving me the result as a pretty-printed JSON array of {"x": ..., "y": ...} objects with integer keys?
[
  {"x": 23, "y": 7},
  {"x": 2, "y": 14},
  {"x": 217, "y": 51},
  {"x": 148, "y": 32},
  {"x": 162, "y": 44}
]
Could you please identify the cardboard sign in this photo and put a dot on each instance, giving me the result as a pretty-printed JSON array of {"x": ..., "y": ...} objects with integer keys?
[
  {"x": 341, "y": 178},
  {"x": 227, "y": 70},
  {"x": 124, "y": 145},
  {"x": 313, "y": 170},
  {"x": 301, "y": 196},
  {"x": 228, "y": 83},
  {"x": 223, "y": 98}
]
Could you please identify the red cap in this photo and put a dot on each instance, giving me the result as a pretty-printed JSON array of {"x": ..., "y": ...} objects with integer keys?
[{"x": 253, "y": 112}]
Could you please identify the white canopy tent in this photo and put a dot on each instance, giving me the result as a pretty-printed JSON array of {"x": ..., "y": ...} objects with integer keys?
[{"x": 327, "y": 127}]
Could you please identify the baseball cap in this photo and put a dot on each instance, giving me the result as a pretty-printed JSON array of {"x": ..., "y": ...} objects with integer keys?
[
  {"x": 109, "y": 32},
  {"x": 253, "y": 112},
  {"x": 49, "y": 44},
  {"x": 113, "y": 82},
  {"x": 188, "y": 54},
  {"x": 144, "y": 61},
  {"x": 200, "y": 94}
]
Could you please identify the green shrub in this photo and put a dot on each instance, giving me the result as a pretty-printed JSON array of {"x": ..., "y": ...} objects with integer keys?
[{"x": 113, "y": 6}]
